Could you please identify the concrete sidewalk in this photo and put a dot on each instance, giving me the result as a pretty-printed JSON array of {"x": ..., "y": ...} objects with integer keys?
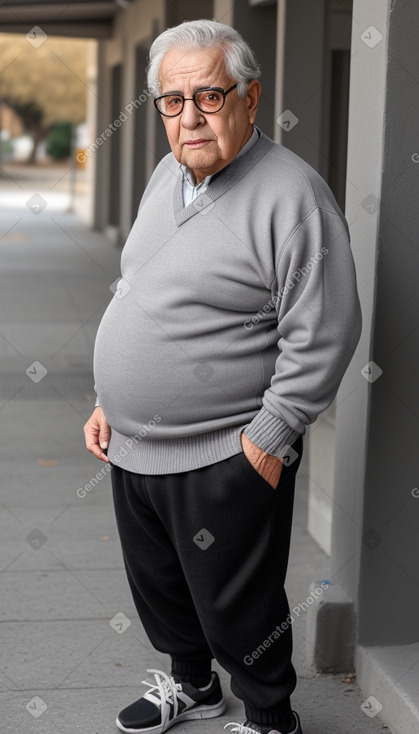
[{"x": 67, "y": 665}]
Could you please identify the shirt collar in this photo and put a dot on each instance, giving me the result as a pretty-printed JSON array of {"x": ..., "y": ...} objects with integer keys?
[{"x": 187, "y": 173}]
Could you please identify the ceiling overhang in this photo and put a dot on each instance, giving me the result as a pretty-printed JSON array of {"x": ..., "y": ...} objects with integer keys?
[{"x": 88, "y": 19}]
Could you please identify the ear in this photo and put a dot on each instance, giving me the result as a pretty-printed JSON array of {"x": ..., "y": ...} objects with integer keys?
[{"x": 254, "y": 89}]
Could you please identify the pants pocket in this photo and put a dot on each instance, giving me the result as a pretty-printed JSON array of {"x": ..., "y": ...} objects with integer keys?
[{"x": 249, "y": 470}]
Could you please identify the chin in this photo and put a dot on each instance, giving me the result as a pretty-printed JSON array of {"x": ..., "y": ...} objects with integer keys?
[{"x": 201, "y": 158}]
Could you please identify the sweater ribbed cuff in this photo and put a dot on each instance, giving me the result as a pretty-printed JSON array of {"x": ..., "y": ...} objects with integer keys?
[
  {"x": 271, "y": 434},
  {"x": 97, "y": 403}
]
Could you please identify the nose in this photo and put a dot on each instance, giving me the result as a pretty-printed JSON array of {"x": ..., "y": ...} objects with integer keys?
[{"x": 191, "y": 117}]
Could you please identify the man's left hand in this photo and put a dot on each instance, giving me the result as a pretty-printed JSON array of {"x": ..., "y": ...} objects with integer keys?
[{"x": 268, "y": 466}]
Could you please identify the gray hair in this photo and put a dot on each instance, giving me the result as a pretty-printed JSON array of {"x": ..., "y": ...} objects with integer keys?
[{"x": 240, "y": 61}]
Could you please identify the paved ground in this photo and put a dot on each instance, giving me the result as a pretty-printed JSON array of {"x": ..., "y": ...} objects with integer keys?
[{"x": 66, "y": 666}]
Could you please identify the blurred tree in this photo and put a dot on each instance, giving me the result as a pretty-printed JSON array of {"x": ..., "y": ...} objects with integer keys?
[
  {"x": 44, "y": 85},
  {"x": 59, "y": 141}
]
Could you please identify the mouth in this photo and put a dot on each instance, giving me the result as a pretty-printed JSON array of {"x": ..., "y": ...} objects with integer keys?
[{"x": 199, "y": 143}]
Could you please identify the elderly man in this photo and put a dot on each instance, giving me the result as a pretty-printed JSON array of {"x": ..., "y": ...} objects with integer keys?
[{"x": 233, "y": 324}]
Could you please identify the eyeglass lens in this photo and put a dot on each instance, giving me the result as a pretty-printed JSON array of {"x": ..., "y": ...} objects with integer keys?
[{"x": 209, "y": 100}]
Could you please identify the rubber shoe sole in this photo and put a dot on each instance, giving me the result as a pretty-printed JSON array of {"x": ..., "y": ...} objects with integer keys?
[{"x": 200, "y": 712}]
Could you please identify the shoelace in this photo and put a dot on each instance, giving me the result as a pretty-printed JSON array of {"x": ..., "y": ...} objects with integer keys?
[
  {"x": 240, "y": 728},
  {"x": 166, "y": 689}
]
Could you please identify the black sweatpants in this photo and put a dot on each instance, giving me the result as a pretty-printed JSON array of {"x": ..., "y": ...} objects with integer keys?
[{"x": 206, "y": 554}]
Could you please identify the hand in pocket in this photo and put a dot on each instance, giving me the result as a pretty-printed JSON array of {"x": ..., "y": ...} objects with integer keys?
[{"x": 269, "y": 467}]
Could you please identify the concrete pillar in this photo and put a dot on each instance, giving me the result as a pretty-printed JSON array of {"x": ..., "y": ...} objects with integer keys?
[
  {"x": 257, "y": 24},
  {"x": 376, "y": 504},
  {"x": 187, "y": 10},
  {"x": 134, "y": 25},
  {"x": 101, "y": 156},
  {"x": 332, "y": 166},
  {"x": 377, "y": 512},
  {"x": 300, "y": 82},
  {"x": 129, "y": 93},
  {"x": 301, "y": 124},
  {"x": 223, "y": 11}
]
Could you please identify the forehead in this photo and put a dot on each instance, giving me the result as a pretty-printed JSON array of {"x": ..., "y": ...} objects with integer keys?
[{"x": 183, "y": 66}]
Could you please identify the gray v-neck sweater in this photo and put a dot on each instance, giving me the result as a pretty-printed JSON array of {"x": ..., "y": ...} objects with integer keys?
[{"x": 239, "y": 311}]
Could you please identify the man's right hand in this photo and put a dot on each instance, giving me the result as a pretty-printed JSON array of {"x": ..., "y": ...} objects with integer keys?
[{"x": 97, "y": 433}]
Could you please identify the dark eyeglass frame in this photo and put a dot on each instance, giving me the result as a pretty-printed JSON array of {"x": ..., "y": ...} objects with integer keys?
[{"x": 224, "y": 92}]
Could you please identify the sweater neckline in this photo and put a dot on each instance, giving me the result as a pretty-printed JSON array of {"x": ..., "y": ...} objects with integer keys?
[{"x": 221, "y": 181}]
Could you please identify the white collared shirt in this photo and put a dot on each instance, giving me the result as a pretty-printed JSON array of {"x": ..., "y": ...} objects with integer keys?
[{"x": 191, "y": 191}]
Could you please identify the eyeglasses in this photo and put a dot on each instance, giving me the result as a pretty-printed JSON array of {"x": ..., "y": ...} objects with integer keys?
[{"x": 207, "y": 99}]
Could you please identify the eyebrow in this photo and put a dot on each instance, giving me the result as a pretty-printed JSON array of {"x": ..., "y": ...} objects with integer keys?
[
  {"x": 206, "y": 86},
  {"x": 174, "y": 91}
]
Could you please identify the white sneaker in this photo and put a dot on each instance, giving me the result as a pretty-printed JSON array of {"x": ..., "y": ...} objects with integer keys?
[
  {"x": 249, "y": 728},
  {"x": 168, "y": 701}
]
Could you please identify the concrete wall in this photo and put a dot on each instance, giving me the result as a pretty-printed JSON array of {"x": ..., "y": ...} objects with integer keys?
[
  {"x": 321, "y": 468},
  {"x": 135, "y": 25},
  {"x": 257, "y": 24},
  {"x": 376, "y": 510},
  {"x": 391, "y": 510},
  {"x": 307, "y": 34},
  {"x": 378, "y": 427},
  {"x": 300, "y": 81},
  {"x": 187, "y": 10}
]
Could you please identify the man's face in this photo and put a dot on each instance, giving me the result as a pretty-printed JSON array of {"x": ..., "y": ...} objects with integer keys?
[{"x": 206, "y": 143}]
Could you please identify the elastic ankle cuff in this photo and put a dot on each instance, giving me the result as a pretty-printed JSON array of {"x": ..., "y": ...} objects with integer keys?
[
  {"x": 279, "y": 716},
  {"x": 196, "y": 672}
]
